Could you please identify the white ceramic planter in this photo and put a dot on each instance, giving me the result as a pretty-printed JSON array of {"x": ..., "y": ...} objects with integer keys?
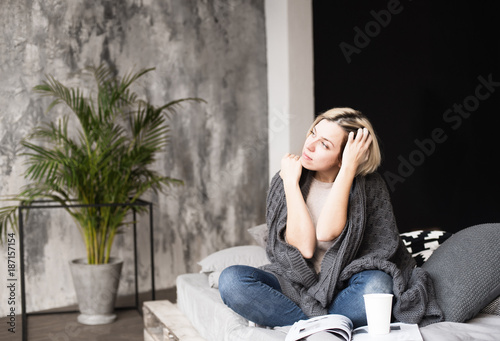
[{"x": 96, "y": 287}]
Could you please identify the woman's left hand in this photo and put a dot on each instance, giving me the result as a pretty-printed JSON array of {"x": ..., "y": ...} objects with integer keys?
[{"x": 357, "y": 148}]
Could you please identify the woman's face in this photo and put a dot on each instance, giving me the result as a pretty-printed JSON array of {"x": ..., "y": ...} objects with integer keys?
[{"x": 322, "y": 148}]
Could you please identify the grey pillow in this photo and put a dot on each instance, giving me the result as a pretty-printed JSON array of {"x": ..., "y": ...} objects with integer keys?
[
  {"x": 465, "y": 271},
  {"x": 259, "y": 234}
]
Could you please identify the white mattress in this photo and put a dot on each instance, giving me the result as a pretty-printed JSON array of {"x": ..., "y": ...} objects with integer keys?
[
  {"x": 214, "y": 321},
  {"x": 203, "y": 306}
]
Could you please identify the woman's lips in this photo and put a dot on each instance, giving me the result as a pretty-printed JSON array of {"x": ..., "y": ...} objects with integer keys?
[{"x": 305, "y": 156}]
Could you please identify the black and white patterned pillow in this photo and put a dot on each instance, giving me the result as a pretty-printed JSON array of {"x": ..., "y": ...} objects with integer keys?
[
  {"x": 493, "y": 308},
  {"x": 421, "y": 244}
]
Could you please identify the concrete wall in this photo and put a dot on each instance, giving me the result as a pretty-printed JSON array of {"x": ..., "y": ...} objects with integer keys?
[{"x": 213, "y": 49}]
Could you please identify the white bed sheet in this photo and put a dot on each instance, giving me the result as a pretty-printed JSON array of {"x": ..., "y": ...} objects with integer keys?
[
  {"x": 483, "y": 327},
  {"x": 203, "y": 306}
]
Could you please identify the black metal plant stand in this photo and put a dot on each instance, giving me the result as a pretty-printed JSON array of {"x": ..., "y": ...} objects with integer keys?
[{"x": 49, "y": 204}]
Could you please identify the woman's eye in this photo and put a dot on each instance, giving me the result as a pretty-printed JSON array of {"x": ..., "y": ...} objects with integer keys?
[
  {"x": 312, "y": 133},
  {"x": 324, "y": 145}
]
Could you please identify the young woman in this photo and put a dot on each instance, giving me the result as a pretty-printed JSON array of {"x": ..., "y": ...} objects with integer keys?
[{"x": 332, "y": 236}]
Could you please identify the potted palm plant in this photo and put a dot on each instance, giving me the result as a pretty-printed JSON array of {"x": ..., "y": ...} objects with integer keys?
[{"x": 108, "y": 160}]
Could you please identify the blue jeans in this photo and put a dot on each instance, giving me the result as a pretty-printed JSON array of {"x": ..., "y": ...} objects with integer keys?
[{"x": 256, "y": 295}]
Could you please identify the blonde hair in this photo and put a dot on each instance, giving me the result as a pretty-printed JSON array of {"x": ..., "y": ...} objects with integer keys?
[{"x": 351, "y": 120}]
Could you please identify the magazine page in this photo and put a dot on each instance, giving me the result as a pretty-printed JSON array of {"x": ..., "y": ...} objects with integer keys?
[
  {"x": 325, "y": 336},
  {"x": 399, "y": 332},
  {"x": 334, "y": 324}
]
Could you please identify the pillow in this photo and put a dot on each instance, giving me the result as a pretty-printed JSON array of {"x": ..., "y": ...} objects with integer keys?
[
  {"x": 259, "y": 233},
  {"x": 493, "y": 308},
  {"x": 421, "y": 244},
  {"x": 465, "y": 271},
  {"x": 251, "y": 255},
  {"x": 213, "y": 279}
]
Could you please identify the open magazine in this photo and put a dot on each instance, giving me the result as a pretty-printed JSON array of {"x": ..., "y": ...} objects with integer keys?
[{"x": 339, "y": 327}]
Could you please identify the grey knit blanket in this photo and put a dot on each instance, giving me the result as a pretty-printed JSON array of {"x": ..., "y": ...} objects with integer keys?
[{"x": 370, "y": 240}]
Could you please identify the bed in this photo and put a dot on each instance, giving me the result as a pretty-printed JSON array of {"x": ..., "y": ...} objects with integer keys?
[{"x": 464, "y": 267}]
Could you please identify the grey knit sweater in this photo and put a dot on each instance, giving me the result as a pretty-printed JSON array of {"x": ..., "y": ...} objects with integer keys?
[{"x": 370, "y": 240}]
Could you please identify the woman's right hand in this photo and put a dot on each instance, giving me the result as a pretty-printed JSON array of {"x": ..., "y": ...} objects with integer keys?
[
  {"x": 291, "y": 169},
  {"x": 300, "y": 230}
]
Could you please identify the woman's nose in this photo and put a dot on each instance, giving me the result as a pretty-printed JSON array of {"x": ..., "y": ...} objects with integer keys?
[{"x": 310, "y": 145}]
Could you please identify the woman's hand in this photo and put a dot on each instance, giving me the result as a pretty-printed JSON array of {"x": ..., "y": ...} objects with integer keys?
[
  {"x": 291, "y": 169},
  {"x": 357, "y": 149},
  {"x": 300, "y": 230}
]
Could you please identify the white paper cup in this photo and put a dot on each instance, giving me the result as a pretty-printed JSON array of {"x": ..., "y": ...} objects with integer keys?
[{"x": 378, "y": 313}]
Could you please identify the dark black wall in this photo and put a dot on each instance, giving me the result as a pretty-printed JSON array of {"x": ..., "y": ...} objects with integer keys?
[{"x": 427, "y": 75}]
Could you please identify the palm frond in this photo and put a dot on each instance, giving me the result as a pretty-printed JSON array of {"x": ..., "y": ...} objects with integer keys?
[
  {"x": 172, "y": 106},
  {"x": 107, "y": 160},
  {"x": 8, "y": 220}
]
